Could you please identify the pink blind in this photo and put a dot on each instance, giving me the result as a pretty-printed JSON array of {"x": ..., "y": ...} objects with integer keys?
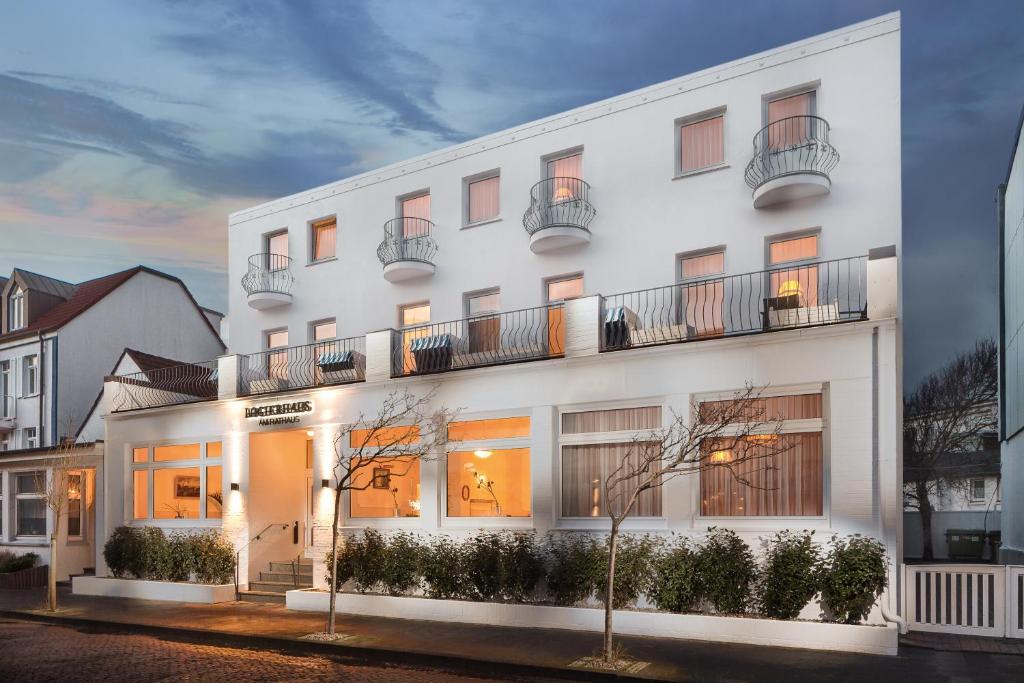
[
  {"x": 483, "y": 199},
  {"x": 614, "y": 420},
  {"x": 702, "y": 144},
  {"x": 567, "y": 170},
  {"x": 801, "y": 282},
  {"x": 415, "y": 207},
  {"x": 704, "y": 303},
  {"x": 324, "y": 239},
  {"x": 560, "y": 290},
  {"x": 792, "y": 407},
  {"x": 796, "y": 249},
  {"x": 584, "y": 471},
  {"x": 787, "y": 133},
  {"x": 705, "y": 264},
  {"x": 278, "y": 244},
  {"x": 789, "y": 483}
]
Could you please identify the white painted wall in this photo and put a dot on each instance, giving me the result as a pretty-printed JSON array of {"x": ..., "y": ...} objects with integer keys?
[{"x": 644, "y": 216}]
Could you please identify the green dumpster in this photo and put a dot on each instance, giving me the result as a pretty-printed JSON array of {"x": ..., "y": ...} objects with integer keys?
[{"x": 965, "y": 544}]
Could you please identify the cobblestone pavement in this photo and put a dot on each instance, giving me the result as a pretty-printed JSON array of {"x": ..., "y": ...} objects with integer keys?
[{"x": 41, "y": 652}]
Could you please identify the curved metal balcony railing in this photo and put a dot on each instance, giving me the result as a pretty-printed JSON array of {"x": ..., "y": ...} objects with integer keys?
[
  {"x": 407, "y": 239},
  {"x": 172, "y": 385},
  {"x": 789, "y": 146},
  {"x": 268, "y": 273},
  {"x": 322, "y": 363},
  {"x": 559, "y": 203}
]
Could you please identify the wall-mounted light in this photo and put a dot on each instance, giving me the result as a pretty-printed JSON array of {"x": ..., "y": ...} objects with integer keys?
[
  {"x": 481, "y": 453},
  {"x": 309, "y": 432},
  {"x": 234, "y": 486},
  {"x": 325, "y": 483}
]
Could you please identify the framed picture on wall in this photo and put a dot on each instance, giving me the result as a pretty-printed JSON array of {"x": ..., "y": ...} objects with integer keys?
[
  {"x": 382, "y": 477},
  {"x": 186, "y": 486}
]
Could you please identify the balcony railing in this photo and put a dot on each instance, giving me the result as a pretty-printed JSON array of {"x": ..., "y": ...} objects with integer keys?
[
  {"x": 480, "y": 341},
  {"x": 786, "y": 297},
  {"x": 323, "y": 363},
  {"x": 174, "y": 385},
  {"x": 269, "y": 280},
  {"x": 559, "y": 203},
  {"x": 789, "y": 146},
  {"x": 407, "y": 239}
]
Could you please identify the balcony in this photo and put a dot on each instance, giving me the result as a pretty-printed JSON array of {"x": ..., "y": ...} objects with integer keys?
[
  {"x": 8, "y": 413},
  {"x": 268, "y": 282},
  {"x": 480, "y": 341},
  {"x": 174, "y": 385},
  {"x": 408, "y": 249},
  {"x": 792, "y": 160},
  {"x": 559, "y": 215},
  {"x": 323, "y": 363},
  {"x": 784, "y": 298}
]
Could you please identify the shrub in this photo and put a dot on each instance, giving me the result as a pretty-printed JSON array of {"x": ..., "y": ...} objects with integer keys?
[
  {"x": 726, "y": 569},
  {"x": 345, "y": 570},
  {"x": 367, "y": 557},
  {"x": 213, "y": 557},
  {"x": 789, "y": 575},
  {"x": 180, "y": 558},
  {"x": 634, "y": 571},
  {"x": 146, "y": 553},
  {"x": 443, "y": 569},
  {"x": 577, "y": 563},
  {"x": 853, "y": 576},
  {"x": 138, "y": 552},
  {"x": 676, "y": 586},
  {"x": 483, "y": 557},
  {"x": 9, "y": 562},
  {"x": 522, "y": 566},
  {"x": 401, "y": 568}
]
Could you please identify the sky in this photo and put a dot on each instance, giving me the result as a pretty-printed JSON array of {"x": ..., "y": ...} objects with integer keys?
[{"x": 130, "y": 130}]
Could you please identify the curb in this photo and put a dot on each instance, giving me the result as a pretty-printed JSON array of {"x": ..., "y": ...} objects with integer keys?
[{"x": 351, "y": 654}]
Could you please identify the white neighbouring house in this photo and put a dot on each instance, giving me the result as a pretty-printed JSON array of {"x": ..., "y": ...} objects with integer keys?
[
  {"x": 58, "y": 342},
  {"x": 569, "y": 283}
]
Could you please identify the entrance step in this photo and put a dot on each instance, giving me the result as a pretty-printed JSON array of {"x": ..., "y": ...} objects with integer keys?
[
  {"x": 304, "y": 567},
  {"x": 288, "y": 577},
  {"x": 261, "y": 596},
  {"x": 275, "y": 586}
]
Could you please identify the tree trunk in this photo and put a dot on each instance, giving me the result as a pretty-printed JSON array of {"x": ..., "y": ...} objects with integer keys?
[
  {"x": 333, "y": 578},
  {"x": 924, "y": 506},
  {"x": 609, "y": 593},
  {"x": 51, "y": 578}
]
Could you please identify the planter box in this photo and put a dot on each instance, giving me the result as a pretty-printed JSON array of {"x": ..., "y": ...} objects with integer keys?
[
  {"x": 152, "y": 590},
  {"x": 33, "y": 577},
  {"x": 879, "y": 640}
]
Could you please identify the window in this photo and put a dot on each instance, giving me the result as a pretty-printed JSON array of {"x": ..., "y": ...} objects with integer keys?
[
  {"x": 30, "y": 375},
  {"x": 30, "y": 507},
  {"x": 409, "y": 316},
  {"x": 325, "y": 330},
  {"x": 785, "y": 479},
  {"x": 277, "y": 356},
  {"x": 562, "y": 288},
  {"x": 977, "y": 490},
  {"x": 387, "y": 486},
  {"x": 30, "y": 437},
  {"x": 785, "y": 116},
  {"x": 2, "y": 504},
  {"x": 276, "y": 246},
  {"x": 482, "y": 199},
  {"x": 75, "y": 495},
  {"x": 594, "y": 444},
  {"x": 701, "y": 144},
  {"x": 795, "y": 286},
  {"x": 177, "y": 481},
  {"x": 564, "y": 174},
  {"x": 701, "y": 297},
  {"x": 489, "y": 476},
  {"x": 415, "y": 212},
  {"x": 324, "y": 238},
  {"x": 484, "y": 324},
  {"x": 6, "y": 390},
  {"x": 16, "y": 318}
]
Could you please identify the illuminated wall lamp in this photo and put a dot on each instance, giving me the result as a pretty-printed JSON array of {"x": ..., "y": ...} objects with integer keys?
[
  {"x": 325, "y": 483},
  {"x": 234, "y": 486}
]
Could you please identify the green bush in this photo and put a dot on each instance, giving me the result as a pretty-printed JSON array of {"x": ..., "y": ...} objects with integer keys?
[
  {"x": 484, "y": 563},
  {"x": 634, "y": 569},
  {"x": 367, "y": 556},
  {"x": 522, "y": 566},
  {"x": 147, "y": 553},
  {"x": 576, "y": 566},
  {"x": 180, "y": 558},
  {"x": 443, "y": 569},
  {"x": 726, "y": 570},
  {"x": 676, "y": 585},
  {"x": 213, "y": 558},
  {"x": 852, "y": 578},
  {"x": 9, "y": 562},
  {"x": 401, "y": 568},
  {"x": 138, "y": 552},
  {"x": 789, "y": 574}
]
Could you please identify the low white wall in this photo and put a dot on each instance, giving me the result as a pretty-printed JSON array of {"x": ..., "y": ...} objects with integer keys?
[
  {"x": 879, "y": 640},
  {"x": 913, "y": 545},
  {"x": 151, "y": 590}
]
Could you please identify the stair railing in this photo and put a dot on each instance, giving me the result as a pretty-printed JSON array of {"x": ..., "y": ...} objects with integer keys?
[{"x": 258, "y": 537}]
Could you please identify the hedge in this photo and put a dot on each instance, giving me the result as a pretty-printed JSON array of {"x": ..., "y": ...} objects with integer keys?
[{"x": 147, "y": 553}]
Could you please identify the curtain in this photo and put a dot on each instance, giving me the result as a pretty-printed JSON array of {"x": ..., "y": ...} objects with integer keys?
[
  {"x": 584, "y": 470},
  {"x": 705, "y": 264},
  {"x": 324, "y": 239},
  {"x": 483, "y": 199},
  {"x": 795, "y": 407},
  {"x": 616, "y": 420},
  {"x": 567, "y": 171},
  {"x": 415, "y": 207},
  {"x": 789, "y": 132},
  {"x": 701, "y": 144},
  {"x": 796, "y": 249},
  {"x": 787, "y": 483}
]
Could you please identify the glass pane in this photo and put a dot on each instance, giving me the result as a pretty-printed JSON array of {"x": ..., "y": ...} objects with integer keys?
[
  {"x": 278, "y": 339},
  {"x": 393, "y": 489},
  {"x": 31, "y": 517},
  {"x": 566, "y": 167},
  {"x": 793, "y": 407},
  {"x": 185, "y": 451},
  {"x": 74, "y": 517},
  {"x": 418, "y": 314},
  {"x": 615, "y": 420},
  {"x": 483, "y": 199},
  {"x": 214, "y": 492},
  {"x": 30, "y": 482},
  {"x": 793, "y": 250},
  {"x": 559, "y": 290},
  {"x": 584, "y": 472},
  {"x": 141, "y": 494},
  {"x": 487, "y": 483},
  {"x": 324, "y": 236},
  {"x": 416, "y": 207},
  {"x": 140, "y": 454},
  {"x": 484, "y": 303},
  {"x": 213, "y": 449},
  {"x": 326, "y": 330},
  {"x": 383, "y": 436},
  {"x": 278, "y": 244},
  {"x": 176, "y": 493},
  {"x": 705, "y": 264},
  {"x": 499, "y": 428},
  {"x": 788, "y": 131},
  {"x": 795, "y": 287},
  {"x": 701, "y": 144}
]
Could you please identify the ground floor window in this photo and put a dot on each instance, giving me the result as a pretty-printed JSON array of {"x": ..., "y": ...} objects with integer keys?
[
  {"x": 179, "y": 481},
  {"x": 29, "y": 502},
  {"x": 76, "y": 492},
  {"x": 388, "y": 487},
  {"x": 489, "y": 483}
]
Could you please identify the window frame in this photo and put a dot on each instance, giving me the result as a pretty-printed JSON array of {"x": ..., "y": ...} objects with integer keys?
[
  {"x": 30, "y": 441},
  {"x": 418, "y": 304},
  {"x": 475, "y": 294},
  {"x": 83, "y": 479},
  {"x": 697, "y": 253},
  {"x": 476, "y": 178},
  {"x": 786, "y": 237},
  {"x": 776, "y": 523},
  {"x": 29, "y": 375},
  {"x": 984, "y": 489},
  {"x": 16, "y": 316},
  {"x": 554, "y": 279},
  {"x": 311, "y": 231},
  {"x": 813, "y": 88},
  {"x": 202, "y": 463},
  {"x": 16, "y": 496},
  {"x": 699, "y": 117},
  {"x": 267, "y": 238},
  {"x": 317, "y": 323}
]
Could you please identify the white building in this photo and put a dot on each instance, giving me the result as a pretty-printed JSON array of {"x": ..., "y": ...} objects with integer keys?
[
  {"x": 569, "y": 283},
  {"x": 58, "y": 341},
  {"x": 1010, "y": 201}
]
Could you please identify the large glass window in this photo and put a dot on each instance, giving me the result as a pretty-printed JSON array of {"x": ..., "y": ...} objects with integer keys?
[
  {"x": 771, "y": 475},
  {"x": 482, "y": 199},
  {"x": 386, "y": 486},
  {"x": 30, "y": 506},
  {"x": 177, "y": 482},
  {"x": 794, "y": 286},
  {"x": 416, "y": 212},
  {"x": 324, "y": 238},
  {"x": 701, "y": 144},
  {"x": 412, "y": 315},
  {"x": 564, "y": 173},
  {"x": 489, "y": 483}
]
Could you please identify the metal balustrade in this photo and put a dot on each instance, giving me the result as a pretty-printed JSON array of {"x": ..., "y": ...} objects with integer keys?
[
  {"x": 785, "y": 297},
  {"x": 407, "y": 239},
  {"x": 173, "y": 385},
  {"x": 480, "y": 341},
  {"x": 322, "y": 363},
  {"x": 795, "y": 144},
  {"x": 268, "y": 273},
  {"x": 559, "y": 203}
]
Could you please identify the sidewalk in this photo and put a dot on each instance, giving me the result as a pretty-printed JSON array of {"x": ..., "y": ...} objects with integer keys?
[{"x": 519, "y": 652}]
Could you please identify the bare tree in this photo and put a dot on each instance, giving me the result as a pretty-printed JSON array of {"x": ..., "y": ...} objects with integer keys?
[
  {"x": 734, "y": 434},
  {"x": 404, "y": 431},
  {"x": 62, "y": 473},
  {"x": 947, "y": 416}
]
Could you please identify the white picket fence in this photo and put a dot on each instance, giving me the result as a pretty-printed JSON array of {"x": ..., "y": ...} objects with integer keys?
[{"x": 967, "y": 599}]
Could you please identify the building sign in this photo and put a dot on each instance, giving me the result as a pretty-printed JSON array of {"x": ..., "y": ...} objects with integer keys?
[{"x": 279, "y": 413}]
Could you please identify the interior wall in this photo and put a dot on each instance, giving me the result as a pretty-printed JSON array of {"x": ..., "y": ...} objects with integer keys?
[{"x": 277, "y": 495}]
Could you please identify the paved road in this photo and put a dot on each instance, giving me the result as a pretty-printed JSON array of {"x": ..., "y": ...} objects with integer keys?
[{"x": 40, "y": 652}]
